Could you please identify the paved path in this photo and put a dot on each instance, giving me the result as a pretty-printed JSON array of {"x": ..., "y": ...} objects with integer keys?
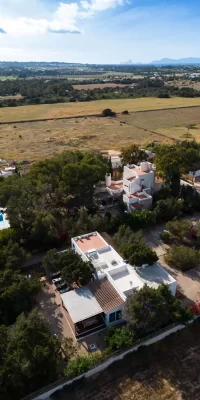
[{"x": 189, "y": 282}]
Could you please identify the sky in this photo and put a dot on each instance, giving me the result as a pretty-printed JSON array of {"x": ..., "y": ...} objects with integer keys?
[{"x": 99, "y": 31}]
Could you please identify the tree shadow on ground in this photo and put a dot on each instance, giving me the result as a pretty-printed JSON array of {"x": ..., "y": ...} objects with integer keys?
[{"x": 52, "y": 311}]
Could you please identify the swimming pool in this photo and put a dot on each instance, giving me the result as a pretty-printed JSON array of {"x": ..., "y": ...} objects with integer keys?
[{"x": 4, "y": 223}]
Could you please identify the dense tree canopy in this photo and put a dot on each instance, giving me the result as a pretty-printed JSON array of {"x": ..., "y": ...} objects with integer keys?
[
  {"x": 29, "y": 356},
  {"x": 16, "y": 293},
  {"x": 173, "y": 160},
  {"x": 38, "y": 203},
  {"x": 133, "y": 155},
  {"x": 182, "y": 257},
  {"x": 150, "y": 309},
  {"x": 73, "y": 268},
  {"x": 133, "y": 247}
]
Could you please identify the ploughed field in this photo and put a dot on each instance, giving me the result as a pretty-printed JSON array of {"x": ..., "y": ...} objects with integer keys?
[
  {"x": 43, "y": 139},
  {"x": 167, "y": 370}
]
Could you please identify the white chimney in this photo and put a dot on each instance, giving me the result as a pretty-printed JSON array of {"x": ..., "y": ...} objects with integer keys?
[{"x": 108, "y": 179}]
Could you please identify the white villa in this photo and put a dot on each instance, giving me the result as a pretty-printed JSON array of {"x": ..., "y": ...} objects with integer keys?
[
  {"x": 100, "y": 303},
  {"x": 8, "y": 171},
  {"x": 137, "y": 186}
]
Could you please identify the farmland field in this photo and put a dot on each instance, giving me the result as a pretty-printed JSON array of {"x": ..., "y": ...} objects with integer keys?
[
  {"x": 167, "y": 370},
  {"x": 43, "y": 139},
  {"x": 45, "y": 111},
  {"x": 92, "y": 86}
]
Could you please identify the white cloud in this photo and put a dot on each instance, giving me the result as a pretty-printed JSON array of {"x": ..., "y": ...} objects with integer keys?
[
  {"x": 64, "y": 20},
  {"x": 101, "y": 5}
]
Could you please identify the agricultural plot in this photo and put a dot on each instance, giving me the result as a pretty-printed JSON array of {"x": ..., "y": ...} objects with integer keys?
[
  {"x": 39, "y": 140},
  {"x": 60, "y": 110},
  {"x": 167, "y": 370},
  {"x": 172, "y": 123},
  {"x": 44, "y": 139}
]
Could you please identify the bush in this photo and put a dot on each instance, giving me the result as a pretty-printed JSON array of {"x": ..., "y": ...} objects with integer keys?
[
  {"x": 82, "y": 364},
  {"x": 182, "y": 257},
  {"x": 125, "y": 112},
  {"x": 108, "y": 113},
  {"x": 119, "y": 338},
  {"x": 168, "y": 209}
]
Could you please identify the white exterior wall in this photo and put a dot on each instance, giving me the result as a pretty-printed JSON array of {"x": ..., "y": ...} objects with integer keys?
[
  {"x": 158, "y": 186},
  {"x": 196, "y": 174},
  {"x": 148, "y": 179},
  {"x": 115, "y": 322},
  {"x": 173, "y": 287}
]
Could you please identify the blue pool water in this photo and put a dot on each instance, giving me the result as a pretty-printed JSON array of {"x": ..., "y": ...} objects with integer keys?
[{"x": 3, "y": 221}]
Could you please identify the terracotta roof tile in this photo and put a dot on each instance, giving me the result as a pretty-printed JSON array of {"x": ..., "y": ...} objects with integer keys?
[{"x": 106, "y": 295}]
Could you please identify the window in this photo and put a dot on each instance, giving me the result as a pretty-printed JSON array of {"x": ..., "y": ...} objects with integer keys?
[
  {"x": 112, "y": 317},
  {"x": 118, "y": 315}
]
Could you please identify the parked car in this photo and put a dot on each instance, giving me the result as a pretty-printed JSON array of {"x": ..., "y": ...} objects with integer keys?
[
  {"x": 66, "y": 289},
  {"x": 57, "y": 280},
  {"x": 55, "y": 275},
  {"x": 61, "y": 285}
]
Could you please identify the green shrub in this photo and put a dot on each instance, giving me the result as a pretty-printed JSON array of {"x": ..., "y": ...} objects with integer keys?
[
  {"x": 119, "y": 338},
  {"x": 183, "y": 258},
  {"x": 82, "y": 364}
]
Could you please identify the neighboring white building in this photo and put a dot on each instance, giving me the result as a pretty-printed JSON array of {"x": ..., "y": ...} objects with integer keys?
[
  {"x": 116, "y": 162},
  {"x": 101, "y": 302},
  {"x": 137, "y": 186},
  {"x": 8, "y": 171}
]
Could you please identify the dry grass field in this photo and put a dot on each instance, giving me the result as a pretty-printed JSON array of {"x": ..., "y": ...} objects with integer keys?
[
  {"x": 38, "y": 140},
  {"x": 184, "y": 83},
  {"x": 172, "y": 123},
  {"x": 92, "y": 86},
  {"x": 60, "y": 110},
  {"x": 167, "y": 370}
]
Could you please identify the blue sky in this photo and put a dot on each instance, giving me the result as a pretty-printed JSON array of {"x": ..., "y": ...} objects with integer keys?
[{"x": 99, "y": 31}]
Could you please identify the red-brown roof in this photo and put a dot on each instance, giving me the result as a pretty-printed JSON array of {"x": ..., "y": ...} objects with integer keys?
[
  {"x": 90, "y": 242},
  {"x": 106, "y": 295}
]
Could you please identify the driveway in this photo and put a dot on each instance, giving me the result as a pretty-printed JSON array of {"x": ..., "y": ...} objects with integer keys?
[{"x": 189, "y": 282}]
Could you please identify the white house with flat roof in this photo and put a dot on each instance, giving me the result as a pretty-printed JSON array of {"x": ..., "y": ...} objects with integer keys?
[
  {"x": 115, "y": 280},
  {"x": 137, "y": 186}
]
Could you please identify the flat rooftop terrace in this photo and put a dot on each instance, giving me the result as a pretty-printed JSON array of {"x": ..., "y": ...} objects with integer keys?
[
  {"x": 90, "y": 242},
  {"x": 154, "y": 275}
]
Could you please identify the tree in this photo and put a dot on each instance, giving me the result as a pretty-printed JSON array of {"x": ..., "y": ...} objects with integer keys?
[
  {"x": 73, "y": 268},
  {"x": 179, "y": 230},
  {"x": 169, "y": 165},
  {"x": 139, "y": 254},
  {"x": 108, "y": 113},
  {"x": 12, "y": 255},
  {"x": 48, "y": 263},
  {"x": 149, "y": 309},
  {"x": 182, "y": 257},
  {"x": 30, "y": 357},
  {"x": 133, "y": 155},
  {"x": 168, "y": 209},
  {"x": 119, "y": 338},
  {"x": 82, "y": 364},
  {"x": 16, "y": 292},
  {"x": 133, "y": 247}
]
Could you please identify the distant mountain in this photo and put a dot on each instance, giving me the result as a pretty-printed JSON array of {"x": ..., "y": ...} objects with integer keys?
[{"x": 171, "y": 61}]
